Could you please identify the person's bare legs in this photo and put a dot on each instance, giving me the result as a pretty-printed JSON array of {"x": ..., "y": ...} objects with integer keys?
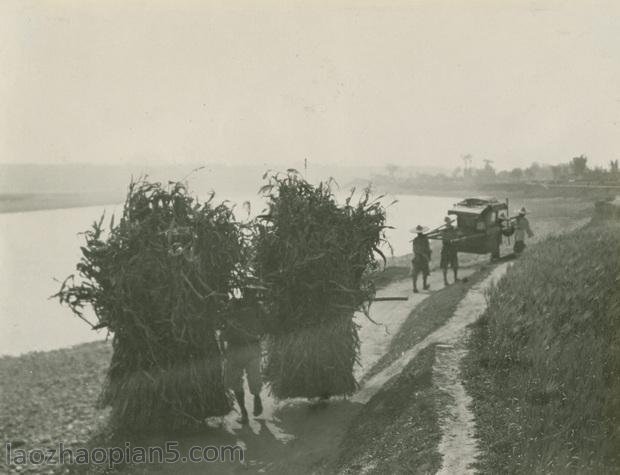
[
  {"x": 234, "y": 378},
  {"x": 240, "y": 395},
  {"x": 252, "y": 370}
]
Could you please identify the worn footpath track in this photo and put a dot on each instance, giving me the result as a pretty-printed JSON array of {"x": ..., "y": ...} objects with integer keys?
[{"x": 458, "y": 446}]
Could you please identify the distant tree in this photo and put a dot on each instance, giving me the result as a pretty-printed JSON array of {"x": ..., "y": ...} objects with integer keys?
[
  {"x": 597, "y": 174},
  {"x": 516, "y": 174},
  {"x": 579, "y": 165},
  {"x": 488, "y": 170},
  {"x": 613, "y": 167},
  {"x": 544, "y": 173},
  {"x": 533, "y": 171},
  {"x": 503, "y": 176},
  {"x": 467, "y": 164},
  {"x": 392, "y": 169},
  {"x": 485, "y": 174},
  {"x": 560, "y": 172}
]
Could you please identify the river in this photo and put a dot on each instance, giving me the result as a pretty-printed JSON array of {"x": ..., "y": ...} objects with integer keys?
[{"x": 37, "y": 247}]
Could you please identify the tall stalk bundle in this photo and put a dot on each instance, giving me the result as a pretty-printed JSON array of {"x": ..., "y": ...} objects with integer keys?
[
  {"x": 159, "y": 281},
  {"x": 313, "y": 256}
]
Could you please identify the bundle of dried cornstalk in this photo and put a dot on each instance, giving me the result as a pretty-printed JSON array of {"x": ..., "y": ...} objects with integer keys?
[
  {"x": 159, "y": 281},
  {"x": 313, "y": 255}
]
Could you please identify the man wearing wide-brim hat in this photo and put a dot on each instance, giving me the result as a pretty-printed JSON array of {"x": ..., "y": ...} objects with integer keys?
[
  {"x": 449, "y": 253},
  {"x": 522, "y": 227},
  {"x": 421, "y": 258}
]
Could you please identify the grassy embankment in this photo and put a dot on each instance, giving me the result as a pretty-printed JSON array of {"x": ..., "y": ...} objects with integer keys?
[
  {"x": 398, "y": 429},
  {"x": 544, "y": 361}
]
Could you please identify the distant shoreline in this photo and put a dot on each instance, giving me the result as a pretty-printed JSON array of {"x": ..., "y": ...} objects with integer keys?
[
  {"x": 22, "y": 202},
  {"x": 25, "y": 202},
  {"x": 501, "y": 190}
]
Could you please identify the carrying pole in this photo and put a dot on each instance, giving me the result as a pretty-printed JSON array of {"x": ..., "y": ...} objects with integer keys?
[
  {"x": 432, "y": 231},
  {"x": 389, "y": 299}
]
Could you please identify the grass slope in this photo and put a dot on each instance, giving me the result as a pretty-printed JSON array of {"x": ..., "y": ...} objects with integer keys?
[
  {"x": 544, "y": 361},
  {"x": 398, "y": 429}
]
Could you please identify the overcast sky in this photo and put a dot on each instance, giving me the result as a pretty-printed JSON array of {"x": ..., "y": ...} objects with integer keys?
[{"x": 412, "y": 83}]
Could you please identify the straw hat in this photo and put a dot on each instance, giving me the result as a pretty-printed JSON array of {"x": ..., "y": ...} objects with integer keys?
[
  {"x": 523, "y": 211},
  {"x": 419, "y": 229}
]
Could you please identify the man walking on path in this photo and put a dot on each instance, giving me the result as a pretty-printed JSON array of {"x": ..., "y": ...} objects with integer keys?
[
  {"x": 242, "y": 335},
  {"x": 421, "y": 258},
  {"x": 449, "y": 254},
  {"x": 522, "y": 227}
]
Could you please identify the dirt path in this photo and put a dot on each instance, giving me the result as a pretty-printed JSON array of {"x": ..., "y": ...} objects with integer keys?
[
  {"x": 455, "y": 325},
  {"x": 291, "y": 436},
  {"x": 390, "y": 315},
  {"x": 458, "y": 445},
  {"x": 375, "y": 337}
]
